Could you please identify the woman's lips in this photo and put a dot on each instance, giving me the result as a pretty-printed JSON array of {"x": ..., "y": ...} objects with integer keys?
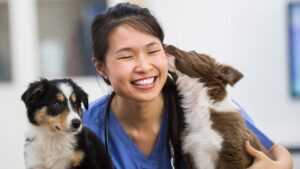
[{"x": 146, "y": 83}]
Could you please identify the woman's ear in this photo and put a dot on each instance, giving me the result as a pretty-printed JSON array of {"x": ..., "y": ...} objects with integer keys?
[{"x": 99, "y": 67}]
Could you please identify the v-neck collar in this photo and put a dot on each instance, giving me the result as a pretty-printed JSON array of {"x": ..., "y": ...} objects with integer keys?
[{"x": 133, "y": 149}]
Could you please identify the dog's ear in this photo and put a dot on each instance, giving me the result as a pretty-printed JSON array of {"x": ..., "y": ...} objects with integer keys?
[
  {"x": 230, "y": 75},
  {"x": 83, "y": 96},
  {"x": 85, "y": 100},
  {"x": 34, "y": 91}
]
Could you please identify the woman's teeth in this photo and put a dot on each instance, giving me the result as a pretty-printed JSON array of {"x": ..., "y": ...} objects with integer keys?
[{"x": 144, "y": 82}]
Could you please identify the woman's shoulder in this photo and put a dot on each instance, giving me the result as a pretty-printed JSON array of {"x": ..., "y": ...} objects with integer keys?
[
  {"x": 266, "y": 141},
  {"x": 95, "y": 111},
  {"x": 98, "y": 103}
]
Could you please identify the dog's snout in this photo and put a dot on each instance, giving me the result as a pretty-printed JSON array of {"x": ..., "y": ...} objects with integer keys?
[{"x": 76, "y": 123}]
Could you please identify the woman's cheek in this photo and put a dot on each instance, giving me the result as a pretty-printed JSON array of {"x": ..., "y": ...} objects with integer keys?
[{"x": 162, "y": 63}]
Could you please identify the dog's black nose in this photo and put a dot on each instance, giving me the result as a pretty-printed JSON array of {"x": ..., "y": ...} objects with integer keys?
[{"x": 75, "y": 123}]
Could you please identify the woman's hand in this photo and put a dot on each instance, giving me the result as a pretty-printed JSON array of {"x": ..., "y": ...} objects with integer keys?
[{"x": 282, "y": 158}]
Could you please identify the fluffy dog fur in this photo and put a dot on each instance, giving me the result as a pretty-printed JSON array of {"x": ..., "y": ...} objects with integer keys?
[
  {"x": 56, "y": 138},
  {"x": 214, "y": 134}
]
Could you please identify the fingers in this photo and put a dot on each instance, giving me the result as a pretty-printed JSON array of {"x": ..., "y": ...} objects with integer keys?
[
  {"x": 262, "y": 161},
  {"x": 278, "y": 151},
  {"x": 282, "y": 155},
  {"x": 252, "y": 151}
]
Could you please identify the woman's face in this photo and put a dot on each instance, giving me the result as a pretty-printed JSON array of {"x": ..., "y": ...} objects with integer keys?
[{"x": 136, "y": 64}]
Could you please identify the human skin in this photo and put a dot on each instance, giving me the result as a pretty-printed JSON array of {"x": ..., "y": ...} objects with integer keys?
[
  {"x": 282, "y": 158},
  {"x": 137, "y": 67}
]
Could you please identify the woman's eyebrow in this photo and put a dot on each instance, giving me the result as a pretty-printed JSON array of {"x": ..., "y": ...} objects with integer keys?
[
  {"x": 123, "y": 49},
  {"x": 152, "y": 43},
  {"x": 129, "y": 49}
]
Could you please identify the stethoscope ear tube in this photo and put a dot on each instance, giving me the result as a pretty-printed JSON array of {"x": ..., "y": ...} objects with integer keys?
[
  {"x": 172, "y": 161},
  {"x": 107, "y": 127},
  {"x": 175, "y": 123}
]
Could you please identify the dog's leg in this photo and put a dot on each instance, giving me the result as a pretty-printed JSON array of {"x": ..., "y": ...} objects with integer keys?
[{"x": 76, "y": 158}]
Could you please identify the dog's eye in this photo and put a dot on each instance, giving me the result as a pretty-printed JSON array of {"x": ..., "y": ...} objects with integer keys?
[
  {"x": 57, "y": 107},
  {"x": 76, "y": 105}
]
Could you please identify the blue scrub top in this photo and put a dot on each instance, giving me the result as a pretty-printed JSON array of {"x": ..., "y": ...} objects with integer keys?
[
  {"x": 266, "y": 141},
  {"x": 125, "y": 154}
]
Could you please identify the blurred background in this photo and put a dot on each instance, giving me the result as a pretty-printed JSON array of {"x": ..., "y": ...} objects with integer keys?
[{"x": 50, "y": 38}]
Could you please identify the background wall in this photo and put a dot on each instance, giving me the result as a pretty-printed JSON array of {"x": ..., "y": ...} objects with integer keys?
[{"x": 250, "y": 35}]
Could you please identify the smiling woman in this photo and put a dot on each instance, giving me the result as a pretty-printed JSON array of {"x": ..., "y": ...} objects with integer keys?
[
  {"x": 129, "y": 55},
  {"x": 135, "y": 63}
]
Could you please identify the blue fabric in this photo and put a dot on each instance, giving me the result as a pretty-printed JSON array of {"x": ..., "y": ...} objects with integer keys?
[
  {"x": 125, "y": 154},
  {"x": 267, "y": 142}
]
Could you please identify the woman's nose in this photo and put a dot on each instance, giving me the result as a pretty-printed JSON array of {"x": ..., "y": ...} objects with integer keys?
[{"x": 143, "y": 64}]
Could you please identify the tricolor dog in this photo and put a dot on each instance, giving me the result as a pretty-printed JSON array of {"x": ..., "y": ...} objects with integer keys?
[{"x": 56, "y": 138}]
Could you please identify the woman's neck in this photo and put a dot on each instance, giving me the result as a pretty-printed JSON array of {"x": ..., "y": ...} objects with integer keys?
[
  {"x": 138, "y": 114},
  {"x": 141, "y": 121}
]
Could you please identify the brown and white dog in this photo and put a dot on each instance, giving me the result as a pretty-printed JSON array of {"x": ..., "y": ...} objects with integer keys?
[{"x": 214, "y": 135}]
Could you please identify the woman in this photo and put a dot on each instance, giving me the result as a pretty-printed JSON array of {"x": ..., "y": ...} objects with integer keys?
[{"x": 129, "y": 55}]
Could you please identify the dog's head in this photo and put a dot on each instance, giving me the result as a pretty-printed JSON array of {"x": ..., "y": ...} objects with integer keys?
[
  {"x": 55, "y": 105},
  {"x": 213, "y": 75}
]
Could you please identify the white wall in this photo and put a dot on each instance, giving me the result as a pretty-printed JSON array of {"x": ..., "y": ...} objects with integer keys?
[{"x": 252, "y": 36}]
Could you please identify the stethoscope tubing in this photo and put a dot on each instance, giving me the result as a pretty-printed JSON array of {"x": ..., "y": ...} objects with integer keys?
[{"x": 107, "y": 146}]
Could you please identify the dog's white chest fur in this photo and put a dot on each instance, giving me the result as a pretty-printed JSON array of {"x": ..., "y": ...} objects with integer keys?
[
  {"x": 201, "y": 140},
  {"x": 44, "y": 150}
]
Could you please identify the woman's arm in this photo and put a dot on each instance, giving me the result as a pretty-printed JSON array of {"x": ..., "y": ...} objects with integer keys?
[{"x": 282, "y": 158}]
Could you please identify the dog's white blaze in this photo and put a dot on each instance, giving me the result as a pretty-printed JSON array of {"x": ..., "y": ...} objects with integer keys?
[
  {"x": 67, "y": 90},
  {"x": 48, "y": 149}
]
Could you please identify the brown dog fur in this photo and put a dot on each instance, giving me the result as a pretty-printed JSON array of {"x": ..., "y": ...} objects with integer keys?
[{"x": 230, "y": 125}]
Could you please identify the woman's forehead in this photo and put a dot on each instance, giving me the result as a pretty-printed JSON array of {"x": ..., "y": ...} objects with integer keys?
[{"x": 126, "y": 37}]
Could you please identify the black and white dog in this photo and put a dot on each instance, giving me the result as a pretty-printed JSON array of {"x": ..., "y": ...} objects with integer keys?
[
  {"x": 214, "y": 134},
  {"x": 56, "y": 138}
]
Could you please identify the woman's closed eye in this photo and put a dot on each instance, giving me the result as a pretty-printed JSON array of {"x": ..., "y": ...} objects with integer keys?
[
  {"x": 125, "y": 57},
  {"x": 153, "y": 52}
]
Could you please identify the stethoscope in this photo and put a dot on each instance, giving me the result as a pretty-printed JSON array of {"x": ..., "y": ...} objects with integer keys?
[{"x": 107, "y": 146}]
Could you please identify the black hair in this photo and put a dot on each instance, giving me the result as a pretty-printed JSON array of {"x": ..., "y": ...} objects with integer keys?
[
  {"x": 123, "y": 13},
  {"x": 175, "y": 120}
]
